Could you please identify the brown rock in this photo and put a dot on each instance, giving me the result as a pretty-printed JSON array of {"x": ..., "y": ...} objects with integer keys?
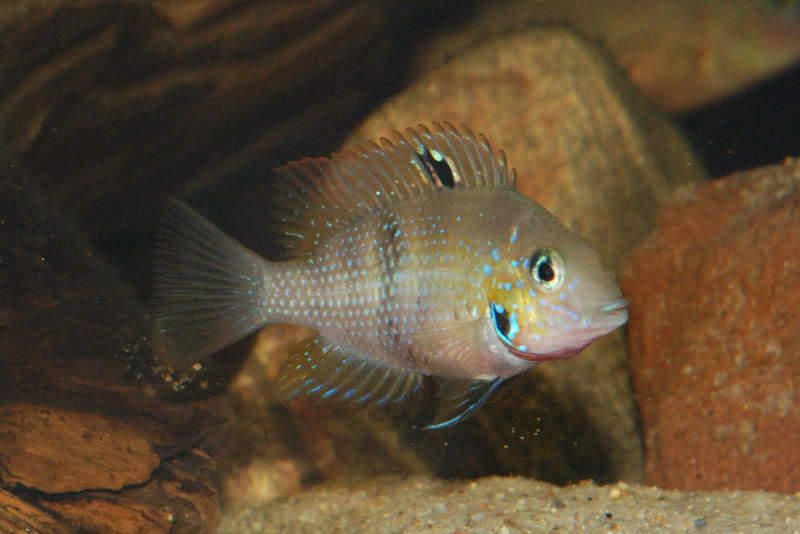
[
  {"x": 569, "y": 122},
  {"x": 715, "y": 334},
  {"x": 680, "y": 54},
  {"x": 585, "y": 146}
]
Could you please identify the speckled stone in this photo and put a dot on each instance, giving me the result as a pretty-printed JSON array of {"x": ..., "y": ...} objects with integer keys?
[
  {"x": 512, "y": 506},
  {"x": 586, "y": 147},
  {"x": 715, "y": 334}
]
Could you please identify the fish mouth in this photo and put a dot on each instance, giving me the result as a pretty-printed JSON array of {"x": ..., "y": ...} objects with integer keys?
[
  {"x": 614, "y": 305},
  {"x": 611, "y": 315},
  {"x": 562, "y": 354}
]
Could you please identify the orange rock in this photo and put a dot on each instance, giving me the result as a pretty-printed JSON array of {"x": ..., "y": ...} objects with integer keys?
[{"x": 715, "y": 334}]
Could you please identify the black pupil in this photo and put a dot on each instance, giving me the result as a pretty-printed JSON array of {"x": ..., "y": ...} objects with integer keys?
[{"x": 545, "y": 270}]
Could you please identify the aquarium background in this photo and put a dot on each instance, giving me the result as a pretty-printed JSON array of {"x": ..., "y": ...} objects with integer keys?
[{"x": 626, "y": 119}]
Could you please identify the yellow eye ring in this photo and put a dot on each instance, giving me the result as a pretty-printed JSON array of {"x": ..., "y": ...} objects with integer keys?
[{"x": 547, "y": 268}]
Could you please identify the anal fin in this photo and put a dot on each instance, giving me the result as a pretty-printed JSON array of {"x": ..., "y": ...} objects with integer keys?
[{"x": 321, "y": 370}]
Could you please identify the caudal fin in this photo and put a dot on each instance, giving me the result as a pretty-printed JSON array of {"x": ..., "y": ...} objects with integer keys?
[{"x": 207, "y": 287}]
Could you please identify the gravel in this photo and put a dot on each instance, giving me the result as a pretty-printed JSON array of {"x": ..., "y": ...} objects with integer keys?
[{"x": 513, "y": 505}]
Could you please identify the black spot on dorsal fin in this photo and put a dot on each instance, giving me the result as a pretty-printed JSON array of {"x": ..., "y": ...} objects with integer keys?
[{"x": 437, "y": 167}]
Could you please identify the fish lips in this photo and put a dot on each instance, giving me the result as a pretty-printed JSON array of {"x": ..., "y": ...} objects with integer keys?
[{"x": 561, "y": 354}]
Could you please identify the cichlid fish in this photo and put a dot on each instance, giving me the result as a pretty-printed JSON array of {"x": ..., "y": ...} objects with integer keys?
[{"x": 416, "y": 256}]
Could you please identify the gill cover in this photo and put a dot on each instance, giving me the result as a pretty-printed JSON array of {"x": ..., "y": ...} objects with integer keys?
[{"x": 521, "y": 302}]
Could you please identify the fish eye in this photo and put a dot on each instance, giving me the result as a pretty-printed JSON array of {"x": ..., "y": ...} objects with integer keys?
[{"x": 547, "y": 268}]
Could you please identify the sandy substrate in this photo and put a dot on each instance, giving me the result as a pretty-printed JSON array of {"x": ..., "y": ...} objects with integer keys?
[{"x": 513, "y": 505}]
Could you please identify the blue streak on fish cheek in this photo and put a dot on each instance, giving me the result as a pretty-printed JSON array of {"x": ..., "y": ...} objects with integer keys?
[
  {"x": 513, "y": 326},
  {"x": 487, "y": 269},
  {"x": 496, "y": 254},
  {"x": 514, "y": 235}
]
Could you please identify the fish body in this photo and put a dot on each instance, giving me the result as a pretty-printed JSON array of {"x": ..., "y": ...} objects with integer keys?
[{"x": 410, "y": 258}]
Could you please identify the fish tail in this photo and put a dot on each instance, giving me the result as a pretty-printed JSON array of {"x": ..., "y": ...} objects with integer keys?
[{"x": 207, "y": 287}]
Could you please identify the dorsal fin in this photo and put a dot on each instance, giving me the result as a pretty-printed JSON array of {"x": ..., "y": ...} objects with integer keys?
[{"x": 319, "y": 196}]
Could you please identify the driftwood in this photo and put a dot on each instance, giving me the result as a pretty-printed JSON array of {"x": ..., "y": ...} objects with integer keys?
[
  {"x": 117, "y": 104},
  {"x": 112, "y": 106},
  {"x": 92, "y": 437}
]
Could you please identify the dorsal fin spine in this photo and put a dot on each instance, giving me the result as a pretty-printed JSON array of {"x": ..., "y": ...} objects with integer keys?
[
  {"x": 394, "y": 170},
  {"x": 321, "y": 196},
  {"x": 389, "y": 166},
  {"x": 493, "y": 171},
  {"x": 403, "y": 149}
]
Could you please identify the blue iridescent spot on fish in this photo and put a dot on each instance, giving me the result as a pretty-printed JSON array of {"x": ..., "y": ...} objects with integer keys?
[{"x": 401, "y": 305}]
